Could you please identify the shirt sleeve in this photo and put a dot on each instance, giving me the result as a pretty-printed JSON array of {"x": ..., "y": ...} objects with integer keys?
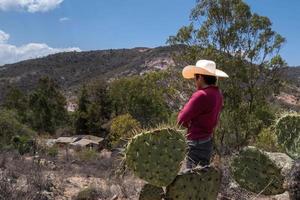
[{"x": 191, "y": 109}]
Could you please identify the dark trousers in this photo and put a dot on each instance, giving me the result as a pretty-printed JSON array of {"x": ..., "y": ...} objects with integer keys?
[{"x": 199, "y": 153}]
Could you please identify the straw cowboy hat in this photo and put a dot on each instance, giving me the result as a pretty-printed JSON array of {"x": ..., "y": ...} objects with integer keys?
[{"x": 204, "y": 67}]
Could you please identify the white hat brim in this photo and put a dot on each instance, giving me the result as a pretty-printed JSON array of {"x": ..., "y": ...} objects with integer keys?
[{"x": 189, "y": 72}]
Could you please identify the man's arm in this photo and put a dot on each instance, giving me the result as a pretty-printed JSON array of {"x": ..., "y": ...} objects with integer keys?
[{"x": 190, "y": 110}]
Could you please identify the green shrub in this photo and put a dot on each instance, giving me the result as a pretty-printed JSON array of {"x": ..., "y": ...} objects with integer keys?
[
  {"x": 122, "y": 128},
  {"x": 52, "y": 151},
  {"x": 142, "y": 97},
  {"x": 47, "y": 106},
  {"x": 89, "y": 193},
  {"x": 87, "y": 154},
  {"x": 24, "y": 144},
  {"x": 10, "y": 127},
  {"x": 267, "y": 140},
  {"x": 65, "y": 131},
  {"x": 238, "y": 128}
]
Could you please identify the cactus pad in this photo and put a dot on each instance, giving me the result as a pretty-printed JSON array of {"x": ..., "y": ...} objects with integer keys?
[
  {"x": 199, "y": 184},
  {"x": 156, "y": 156},
  {"x": 254, "y": 171},
  {"x": 288, "y": 134},
  {"x": 151, "y": 192}
]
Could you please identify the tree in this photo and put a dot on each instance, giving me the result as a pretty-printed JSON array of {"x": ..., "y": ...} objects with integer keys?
[
  {"x": 99, "y": 111},
  {"x": 142, "y": 97},
  {"x": 81, "y": 123},
  {"x": 122, "y": 128},
  {"x": 244, "y": 45},
  {"x": 47, "y": 106},
  {"x": 10, "y": 127},
  {"x": 16, "y": 100},
  {"x": 94, "y": 108}
]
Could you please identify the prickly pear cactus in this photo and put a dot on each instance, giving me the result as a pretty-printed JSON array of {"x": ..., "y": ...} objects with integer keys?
[
  {"x": 254, "y": 171},
  {"x": 199, "y": 184},
  {"x": 293, "y": 181},
  {"x": 151, "y": 192},
  {"x": 156, "y": 156},
  {"x": 288, "y": 134}
]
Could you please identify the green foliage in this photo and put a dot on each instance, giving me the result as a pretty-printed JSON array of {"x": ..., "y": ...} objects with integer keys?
[
  {"x": 81, "y": 123},
  {"x": 94, "y": 108},
  {"x": 87, "y": 154},
  {"x": 52, "y": 151},
  {"x": 288, "y": 133},
  {"x": 66, "y": 131},
  {"x": 16, "y": 100},
  {"x": 48, "y": 107},
  {"x": 24, "y": 144},
  {"x": 89, "y": 193},
  {"x": 156, "y": 155},
  {"x": 254, "y": 171},
  {"x": 141, "y": 97},
  {"x": 11, "y": 127},
  {"x": 234, "y": 131},
  {"x": 122, "y": 128},
  {"x": 99, "y": 110},
  {"x": 267, "y": 140},
  {"x": 151, "y": 192},
  {"x": 200, "y": 184},
  {"x": 244, "y": 45}
]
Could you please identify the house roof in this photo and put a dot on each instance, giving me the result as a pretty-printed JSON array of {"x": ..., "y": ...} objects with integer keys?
[
  {"x": 65, "y": 140},
  {"x": 84, "y": 142},
  {"x": 89, "y": 137},
  {"x": 81, "y": 140}
]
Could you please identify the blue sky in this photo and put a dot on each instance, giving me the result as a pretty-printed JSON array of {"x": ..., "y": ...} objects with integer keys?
[{"x": 64, "y": 25}]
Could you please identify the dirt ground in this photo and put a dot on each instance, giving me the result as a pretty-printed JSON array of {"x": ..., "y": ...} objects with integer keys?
[{"x": 63, "y": 178}]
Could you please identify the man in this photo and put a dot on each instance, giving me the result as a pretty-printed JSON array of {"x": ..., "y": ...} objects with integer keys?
[{"x": 201, "y": 114}]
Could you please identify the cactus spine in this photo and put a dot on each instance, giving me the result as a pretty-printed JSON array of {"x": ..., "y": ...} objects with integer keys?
[
  {"x": 288, "y": 134},
  {"x": 151, "y": 192},
  {"x": 254, "y": 171},
  {"x": 156, "y": 155},
  {"x": 199, "y": 184}
]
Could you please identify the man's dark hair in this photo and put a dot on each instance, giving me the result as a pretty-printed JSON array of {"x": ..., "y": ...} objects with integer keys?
[{"x": 209, "y": 80}]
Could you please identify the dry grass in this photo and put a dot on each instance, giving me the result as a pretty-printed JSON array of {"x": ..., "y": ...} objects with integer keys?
[
  {"x": 22, "y": 179},
  {"x": 46, "y": 177},
  {"x": 60, "y": 178}
]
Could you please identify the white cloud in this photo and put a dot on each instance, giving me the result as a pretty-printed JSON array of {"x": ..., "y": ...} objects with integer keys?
[
  {"x": 10, "y": 53},
  {"x": 31, "y": 6},
  {"x": 3, "y": 37},
  {"x": 64, "y": 19}
]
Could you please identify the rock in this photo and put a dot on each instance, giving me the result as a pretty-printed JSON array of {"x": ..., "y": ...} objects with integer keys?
[
  {"x": 293, "y": 181},
  {"x": 282, "y": 161}
]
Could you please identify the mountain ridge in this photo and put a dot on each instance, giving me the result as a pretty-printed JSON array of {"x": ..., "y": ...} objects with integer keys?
[{"x": 71, "y": 69}]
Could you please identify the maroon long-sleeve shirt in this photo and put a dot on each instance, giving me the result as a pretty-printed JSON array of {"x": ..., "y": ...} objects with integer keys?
[{"x": 201, "y": 114}]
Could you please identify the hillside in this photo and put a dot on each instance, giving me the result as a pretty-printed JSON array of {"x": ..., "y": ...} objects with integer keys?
[
  {"x": 74, "y": 68},
  {"x": 290, "y": 94},
  {"x": 293, "y": 75}
]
